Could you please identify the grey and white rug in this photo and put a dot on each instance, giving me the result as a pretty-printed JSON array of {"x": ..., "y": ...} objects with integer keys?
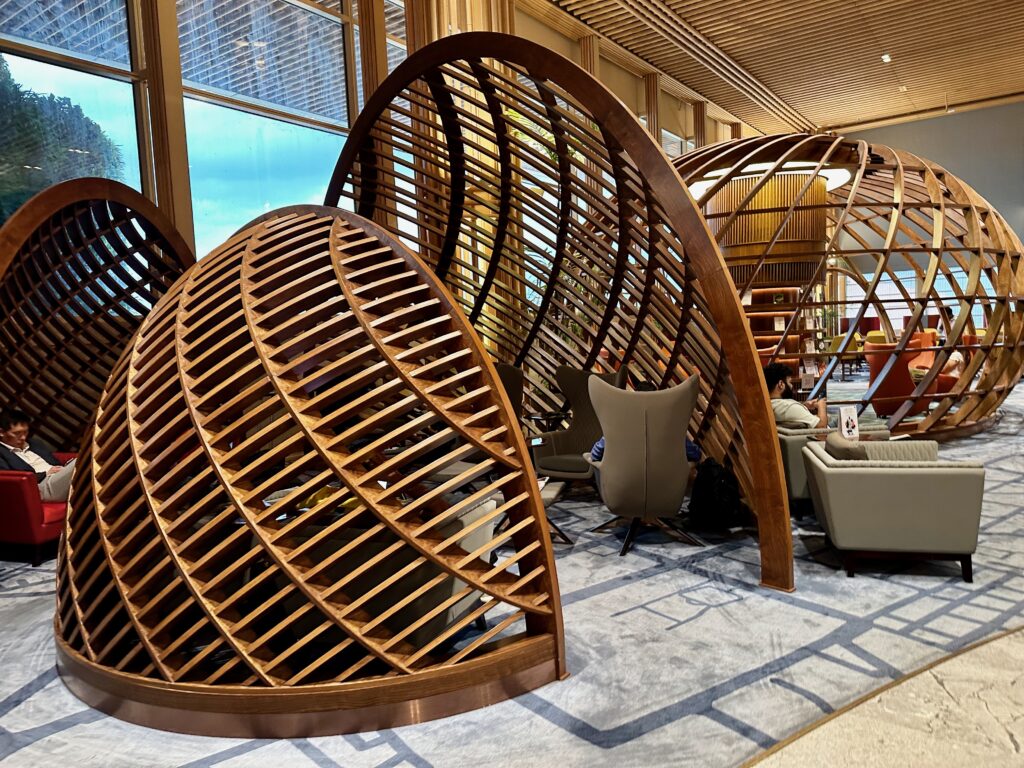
[{"x": 677, "y": 656}]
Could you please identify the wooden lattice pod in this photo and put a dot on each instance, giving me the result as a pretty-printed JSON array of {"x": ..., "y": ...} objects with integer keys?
[
  {"x": 81, "y": 264},
  {"x": 853, "y": 235},
  {"x": 261, "y": 540},
  {"x": 563, "y": 232}
]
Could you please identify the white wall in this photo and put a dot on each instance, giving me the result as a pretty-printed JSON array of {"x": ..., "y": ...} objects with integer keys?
[{"x": 984, "y": 147}]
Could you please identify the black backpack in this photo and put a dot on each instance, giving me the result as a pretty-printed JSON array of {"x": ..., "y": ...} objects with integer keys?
[{"x": 715, "y": 502}]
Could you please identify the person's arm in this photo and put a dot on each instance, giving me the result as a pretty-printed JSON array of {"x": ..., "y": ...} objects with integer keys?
[{"x": 819, "y": 407}]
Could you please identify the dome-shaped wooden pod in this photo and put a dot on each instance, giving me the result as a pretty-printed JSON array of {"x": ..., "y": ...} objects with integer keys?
[
  {"x": 261, "y": 540},
  {"x": 856, "y": 236},
  {"x": 81, "y": 264},
  {"x": 561, "y": 229}
]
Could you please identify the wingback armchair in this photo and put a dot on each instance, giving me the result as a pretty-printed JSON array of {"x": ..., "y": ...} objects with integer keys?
[
  {"x": 644, "y": 471},
  {"x": 560, "y": 453}
]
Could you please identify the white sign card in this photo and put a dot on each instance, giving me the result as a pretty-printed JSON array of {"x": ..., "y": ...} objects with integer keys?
[
  {"x": 848, "y": 422},
  {"x": 780, "y": 323}
]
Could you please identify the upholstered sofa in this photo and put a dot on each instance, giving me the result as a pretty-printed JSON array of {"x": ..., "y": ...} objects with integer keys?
[
  {"x": 792, "y": 441},
  {"x": 899, "y": 499}
]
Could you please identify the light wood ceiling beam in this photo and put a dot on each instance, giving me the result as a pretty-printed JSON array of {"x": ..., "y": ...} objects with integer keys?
[{"x": 662, "y": 20}]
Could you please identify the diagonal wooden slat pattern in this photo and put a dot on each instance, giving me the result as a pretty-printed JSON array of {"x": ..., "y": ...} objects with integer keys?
[
  {"x": 258, "y": 510},
  {"x": 563, "y": 233},
  {"x": 81, "y": 264},
  {"x": 893, "y": 219}
]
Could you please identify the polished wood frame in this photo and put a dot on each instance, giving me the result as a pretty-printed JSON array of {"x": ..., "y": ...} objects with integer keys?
[
  {"x": 898, "y": 214},
  {"x": 255, "y": 545},
  {"x": 563, "y": 232},
  {"x": 81, "y": 264}
]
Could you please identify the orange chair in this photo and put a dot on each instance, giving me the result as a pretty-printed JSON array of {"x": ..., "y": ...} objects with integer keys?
[
  {"x": 898, "y": 385},
  {"x": 944, "y": 382}
]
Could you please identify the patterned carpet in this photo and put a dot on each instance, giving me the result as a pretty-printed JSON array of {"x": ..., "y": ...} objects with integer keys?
[{"x": 677, "y": 656}]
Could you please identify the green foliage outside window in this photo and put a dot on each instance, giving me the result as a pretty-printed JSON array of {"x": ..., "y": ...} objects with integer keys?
[{"x": 45, "y": 139}]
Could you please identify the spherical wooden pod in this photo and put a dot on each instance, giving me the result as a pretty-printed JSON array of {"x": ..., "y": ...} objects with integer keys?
[
  {"x": 561, "y": 229},
  {"x": 271, "y": 533},
  {"x": 81, "y": 264},
  {"x": 829, "y": 238}
]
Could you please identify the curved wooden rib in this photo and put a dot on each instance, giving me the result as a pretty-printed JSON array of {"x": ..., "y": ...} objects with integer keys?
[
  {"x": 899, "y": 220},
  {"x": 260, "y": 508},
  {"x": 558, "y": 226},
  {"x": 81, "y": 263}
]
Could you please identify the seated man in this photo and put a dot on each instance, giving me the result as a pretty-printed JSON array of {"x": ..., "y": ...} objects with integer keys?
[
  {"x": 21, "y": 453},
  {"x": 788, "y": 412}
]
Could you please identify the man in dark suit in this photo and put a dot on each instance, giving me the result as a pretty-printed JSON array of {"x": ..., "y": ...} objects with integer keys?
[{"x": 22, "y": 453}]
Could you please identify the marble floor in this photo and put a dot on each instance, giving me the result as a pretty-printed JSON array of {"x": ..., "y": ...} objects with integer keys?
[
  {"x": 964, "y": 712},
  {"x": 677, "y": 655}
]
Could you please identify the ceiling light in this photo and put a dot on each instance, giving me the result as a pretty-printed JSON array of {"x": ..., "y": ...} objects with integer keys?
[
  {"x": 886, "y": 58},
  {"x": 834, "y": 177},
  {"x": 903, "y": 89}
]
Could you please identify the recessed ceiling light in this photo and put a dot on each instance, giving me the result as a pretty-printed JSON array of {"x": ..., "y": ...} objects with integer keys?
[
  {"x": 886, "y": 58},
  {"x": 903, "y": 89}
]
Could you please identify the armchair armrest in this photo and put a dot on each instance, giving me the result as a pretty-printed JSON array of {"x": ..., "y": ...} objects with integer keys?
[{"x": 64, "y": 456}]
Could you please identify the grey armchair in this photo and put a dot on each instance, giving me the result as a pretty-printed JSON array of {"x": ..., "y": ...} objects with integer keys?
[
  {"x": 899, "y": 499},
  {"x": 644, "y": 470},
  {"x": 560, "y": 453},
  {"x": 792, "y": 441}
]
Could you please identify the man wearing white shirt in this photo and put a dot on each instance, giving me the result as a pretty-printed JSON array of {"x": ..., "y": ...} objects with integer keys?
[
  {"x": 788, "y": 411},
  {"x": 21, "y": 453}
]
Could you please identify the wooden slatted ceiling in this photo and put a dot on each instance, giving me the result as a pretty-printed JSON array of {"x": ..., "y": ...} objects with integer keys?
[{"x": 823, "y": 58}]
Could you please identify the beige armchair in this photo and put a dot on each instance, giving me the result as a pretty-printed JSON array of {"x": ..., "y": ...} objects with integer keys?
[
  {"x": 792, "y": 441},
  {"x": 644, "y": 471},
  {"x": 560, "y": 453},
  {"x": 899, "y": 499}
]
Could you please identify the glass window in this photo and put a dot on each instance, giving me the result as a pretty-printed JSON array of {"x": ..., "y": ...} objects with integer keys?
[
  {"x": 97, "y": 29},
  {"x": 58, "y": 124},
  {"x": 270, "y": 51},
  {"x": 265, "y": 164}
]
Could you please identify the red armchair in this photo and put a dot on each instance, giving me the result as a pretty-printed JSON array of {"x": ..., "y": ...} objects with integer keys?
[{"x": 26, "y": 519}]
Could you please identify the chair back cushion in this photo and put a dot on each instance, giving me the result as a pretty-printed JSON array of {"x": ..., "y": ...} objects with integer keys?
[
  {"x": 838, "y": 447},
  {"x": 644, "y": 470},
  {"x": 584, "y": 428},
  {"x": 511, "y": 379}
]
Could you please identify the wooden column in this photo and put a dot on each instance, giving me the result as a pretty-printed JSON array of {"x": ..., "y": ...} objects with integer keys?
[
  {"x": 420, "y": 25},
  {"x": 373, "y": 44},
  {"x": 700, "y": 123},
  {"x": 735, "y": 131},
  {"x": 652, "y": 92},
  {"x": 590, "y": 55},
  {"x": 161, "y": 104}
]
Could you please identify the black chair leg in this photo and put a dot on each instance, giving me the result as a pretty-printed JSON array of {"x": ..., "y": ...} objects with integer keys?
[
  {"x": 37, "y": 555},
  {"x": 849, "y": 565},
  {"x": 634, "y": 526},
  {"x": 967, "y": 569},
  {"x": 559, "y": 532}
]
